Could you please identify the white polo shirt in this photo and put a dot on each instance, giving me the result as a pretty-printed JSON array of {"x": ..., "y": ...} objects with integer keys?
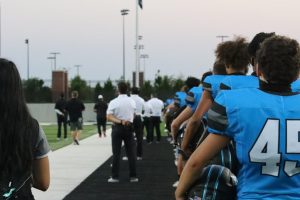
[
  {"x": 147, "y": 109},
  {"x": 139, "y": 103},
  {"x": 156, "y": 106},
  {"x": 122, "y": 107}
]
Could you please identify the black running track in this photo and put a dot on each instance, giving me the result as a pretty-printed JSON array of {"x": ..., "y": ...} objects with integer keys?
[{"x": 156, "y": 173}]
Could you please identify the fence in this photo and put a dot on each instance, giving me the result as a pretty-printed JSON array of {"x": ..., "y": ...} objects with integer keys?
[{"x": 44, "y": 112}]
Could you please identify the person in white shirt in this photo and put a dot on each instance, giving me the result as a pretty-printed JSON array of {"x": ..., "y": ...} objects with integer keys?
[
  {"x": 137, "y": 122},
  {"x": 121, "y": 112},
  {"x": 156, "y": 107},
  {"x": 146, "y": 118}
]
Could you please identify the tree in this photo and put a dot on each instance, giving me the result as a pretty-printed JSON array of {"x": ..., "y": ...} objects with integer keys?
[
  {"x": 36, "y": 92},
  {"x": 98, "y": 90},
  {"x": 80, "y": 85},
  {"x": 146, "y": 90},
  {"x": 109, "y": 91}
]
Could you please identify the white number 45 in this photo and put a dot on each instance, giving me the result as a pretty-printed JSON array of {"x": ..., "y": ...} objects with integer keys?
[{"x": 266, "y": 148}]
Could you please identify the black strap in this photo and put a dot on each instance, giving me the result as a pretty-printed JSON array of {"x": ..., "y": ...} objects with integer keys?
[{"x": 12, "y": 191}]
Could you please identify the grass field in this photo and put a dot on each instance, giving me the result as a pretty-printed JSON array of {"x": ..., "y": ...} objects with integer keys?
[
  {"x": 51, "y": 133},
  {"x": 88, "y": 130}
]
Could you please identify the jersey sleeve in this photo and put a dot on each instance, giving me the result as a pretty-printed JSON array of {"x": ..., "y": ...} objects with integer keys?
[
  {"x": 218, "y": 122},
  {"x": 42, "y": 147},
  {"x": 207, "y": 84}
]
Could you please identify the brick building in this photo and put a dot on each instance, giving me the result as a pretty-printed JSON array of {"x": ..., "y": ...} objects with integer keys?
[{"x": 59, "y": 84}]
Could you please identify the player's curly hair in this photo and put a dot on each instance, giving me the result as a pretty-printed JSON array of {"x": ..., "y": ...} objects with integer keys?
[
  {"x": 234, "y": 53},
  {"x": 279, "y": 59}
]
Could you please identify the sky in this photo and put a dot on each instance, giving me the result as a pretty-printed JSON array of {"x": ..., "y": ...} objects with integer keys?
[{"x": 178, "y": 35}]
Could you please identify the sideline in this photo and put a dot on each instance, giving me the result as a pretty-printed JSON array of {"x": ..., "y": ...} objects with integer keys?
[{"x": 70, "y": 165}]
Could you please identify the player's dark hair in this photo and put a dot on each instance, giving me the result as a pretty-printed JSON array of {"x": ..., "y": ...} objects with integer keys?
[
  {"x": 122, "y": 87},
  {"x": 254, "y": 45},
  {"x": 279, "y": 60},
  {"x": 219, "y": 68},
  {"x": 234, "y": 53},
  {"x": 192, "y": 82},
  {"x": 135, "y": 90},
  {"x": 256, "y": 42},
  {"x": 206, "y": 74},
  {"x": 18, "y": 129}
]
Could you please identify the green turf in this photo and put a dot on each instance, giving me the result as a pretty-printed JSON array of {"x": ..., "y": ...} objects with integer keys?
[
  {"x": 51, "y": 133},
  {"x": 88, "y": 130}
]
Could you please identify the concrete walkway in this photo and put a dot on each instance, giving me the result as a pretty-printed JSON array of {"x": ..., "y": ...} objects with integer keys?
[{"x": 70, "y": 165}]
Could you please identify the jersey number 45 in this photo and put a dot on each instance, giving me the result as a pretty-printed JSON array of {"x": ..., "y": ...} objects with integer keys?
[{"x": 266, "y": 148}]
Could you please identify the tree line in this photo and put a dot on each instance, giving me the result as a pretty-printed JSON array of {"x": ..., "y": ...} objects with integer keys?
[{"x": 163, "y": 86}]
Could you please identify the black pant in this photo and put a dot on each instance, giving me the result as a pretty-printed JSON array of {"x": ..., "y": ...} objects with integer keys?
[
  {"x": 61, "y": 120},
  {"x": 101, "y": 121},
  {"x": 123, "y": 133},
  {"x": 138, "y": 129},
  {"x": 147, "y": 124},
  {"x": 155, "y": 124}
]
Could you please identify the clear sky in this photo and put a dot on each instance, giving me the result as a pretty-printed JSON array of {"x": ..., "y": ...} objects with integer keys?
[{"x": 178, "y": 35}]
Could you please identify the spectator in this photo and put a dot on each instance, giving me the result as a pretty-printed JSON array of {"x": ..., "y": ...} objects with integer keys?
[
  {"x": 23, "y": 145},
  {"x": 75, "y": 108},
  {"x": 121, "y": 112},
  {"x": 100, "y": 108},
  {"x": 156, "y": 107},
  {"x": 62, "y": 116}
]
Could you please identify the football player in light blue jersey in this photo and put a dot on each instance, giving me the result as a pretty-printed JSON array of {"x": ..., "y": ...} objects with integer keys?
[
  {"x": 264, "y": 123},
  {"x": 234, "y": 55}
]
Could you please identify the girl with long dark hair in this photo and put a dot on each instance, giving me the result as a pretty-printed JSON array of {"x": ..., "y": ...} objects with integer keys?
[{"x": 23, "y": 145}]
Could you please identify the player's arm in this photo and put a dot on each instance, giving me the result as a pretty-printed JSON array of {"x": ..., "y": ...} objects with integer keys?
[
  {"x": 192, "y": 170},
  {"x": 182, "y": 117},
  {"x": 194, "y": 122},
  {"x": 41, "y": 173}
]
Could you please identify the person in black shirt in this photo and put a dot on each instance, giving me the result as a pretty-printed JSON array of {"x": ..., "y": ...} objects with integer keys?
[
  {"x": 62, "y": 116},
  {"x": 75, "y": 108},
  {"x": 100, "y": 108}
]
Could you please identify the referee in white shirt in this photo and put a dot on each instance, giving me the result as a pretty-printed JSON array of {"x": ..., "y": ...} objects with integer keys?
[
  {"x": 156, "y": 107},
  {"x": 137, "y": 122},
  {"x": 121, "y": 112}
]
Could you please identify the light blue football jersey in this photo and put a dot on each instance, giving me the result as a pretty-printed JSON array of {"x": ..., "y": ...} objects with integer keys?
[
  {"x": 266, "y": 130},
  {"x": 296, "y": 86},
  {"x": 212, "y": 84},
  {"x": 232, "y": 82},
  {"x": 193, "y": 97},
  {"x": 180, "y": 99}
]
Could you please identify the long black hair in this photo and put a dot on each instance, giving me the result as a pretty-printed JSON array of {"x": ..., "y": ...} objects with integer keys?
[{"x": 17, "y": 128}]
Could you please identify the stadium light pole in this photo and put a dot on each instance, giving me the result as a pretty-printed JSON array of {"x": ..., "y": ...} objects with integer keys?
[
  {"x": 27, "y": 43},
  {"x": 0, "y": 27},
  {"x": 123, "y": 13},
  {"x": 222, "y": 37},
  {"x": 54, "y": 55},
  {"x": 77, "y": 66},
  {"x": 144, "y": 56}
]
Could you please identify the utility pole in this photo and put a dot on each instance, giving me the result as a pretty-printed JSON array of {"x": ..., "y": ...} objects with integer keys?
[
  {"x": 222, "y": 37},
  {"x": 54, "y": 56}
]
